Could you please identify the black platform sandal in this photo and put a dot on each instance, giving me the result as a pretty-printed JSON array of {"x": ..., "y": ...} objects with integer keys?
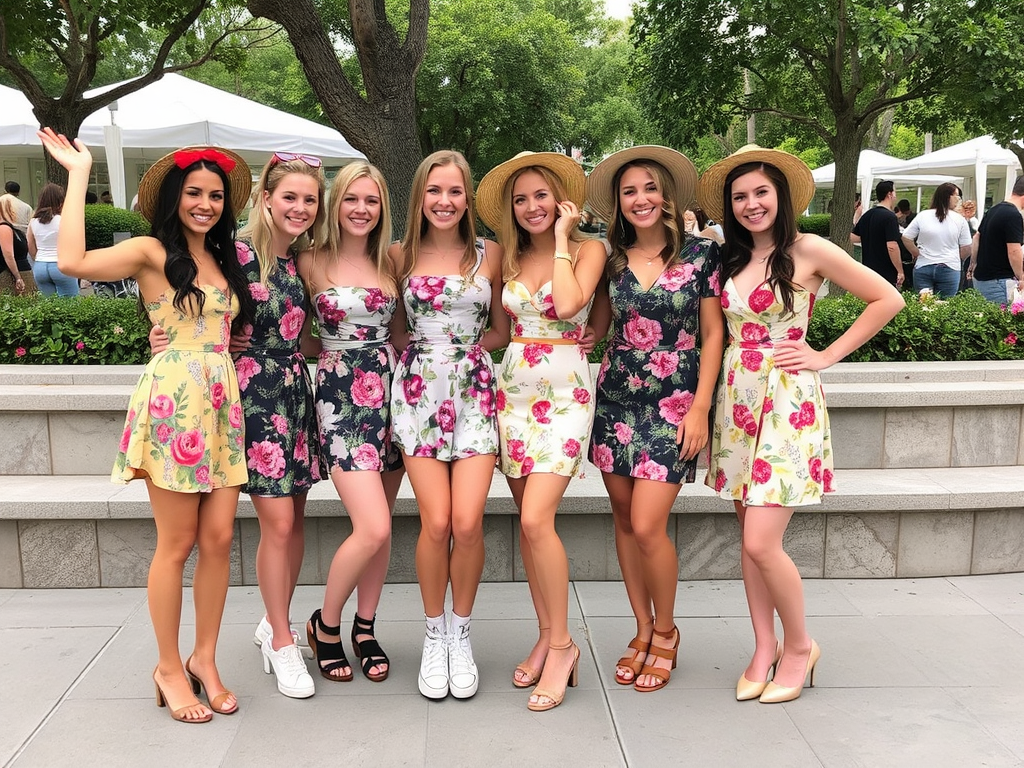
[
  {"x": 330, "y": 657},
  {"x": 369, "y": 651}
]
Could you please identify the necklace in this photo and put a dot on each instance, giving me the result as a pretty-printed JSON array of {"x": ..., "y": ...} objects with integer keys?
[
  {"x": 645, "y": 254},
  {"x": 760, "y": 260},
  {"x": 359, "y": 267}
]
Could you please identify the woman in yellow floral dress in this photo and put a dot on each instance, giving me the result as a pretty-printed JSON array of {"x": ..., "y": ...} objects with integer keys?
[
  {"x": 184, "y": 430},
  {"x": 770, "y": 446},
  {"x": 545, "y": 396}
]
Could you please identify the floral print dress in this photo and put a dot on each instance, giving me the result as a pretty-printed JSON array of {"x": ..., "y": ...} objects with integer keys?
[
  {"x": 277, "y": 391},
  {"x": 184, "y": 424},
  {"x": 545, "y": 395},
  {"x": 443, "y": 401},
  {"x": 353, "y": 379},
  {"x": 648, "y": 376},
  {"x": 770, "y": 446}
]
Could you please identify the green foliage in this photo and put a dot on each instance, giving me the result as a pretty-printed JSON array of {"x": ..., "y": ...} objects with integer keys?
[
  {"x": 815, "y": 224},
  {"x": 53, "y": 331},
  {"x": 966, "y": 327},
  {"x": 102, "y": 221}
]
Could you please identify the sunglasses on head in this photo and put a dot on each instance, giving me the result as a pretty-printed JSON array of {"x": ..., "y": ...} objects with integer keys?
[{"x": 287, "y": 157}]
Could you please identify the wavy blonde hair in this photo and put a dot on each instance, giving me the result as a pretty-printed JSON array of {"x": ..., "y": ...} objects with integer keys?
[
  {"x": 513, "y": 238},
  {"x": 260, "y": 227},
  {"x": 622, "y": 234},
  {"x": 416, "y": 224},
  {"x": 379, "y": 239}
]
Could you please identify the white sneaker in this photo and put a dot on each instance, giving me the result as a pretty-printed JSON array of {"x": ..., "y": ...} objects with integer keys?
[
  {"x": 462, "y": 673},
  {"x": 292, "y": 678},
  {"x": 434, "y": 665},
  {"x": 264, "y": 630}
]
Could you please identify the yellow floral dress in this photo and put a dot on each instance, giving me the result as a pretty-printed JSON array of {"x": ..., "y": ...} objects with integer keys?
[
  {"x": 184, "y": 426},
  {"x": 770, "y": 446}
]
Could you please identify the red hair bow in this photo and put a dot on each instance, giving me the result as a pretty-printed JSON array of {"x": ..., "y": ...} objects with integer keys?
[{"x": 183, "y": 158}]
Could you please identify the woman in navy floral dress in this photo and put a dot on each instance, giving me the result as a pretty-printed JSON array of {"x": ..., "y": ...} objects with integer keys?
[
  {"x": 655, "y": 384},
  {"x": 354, "y": 296}
]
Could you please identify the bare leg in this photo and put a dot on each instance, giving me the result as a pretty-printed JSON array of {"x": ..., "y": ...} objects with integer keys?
[
  {"x": 431, "y": 483},
  {"x": 620, "y": 493},
  {"x": 276, "y": 569},
  {"x": 471, "y": 482},
  {"x": 539, "y": 652},
  {"x": 762, "y": 611},
  {"x": 210, "y": 586},
  {"x": 177, "y": 524},
  {"x": 763, "y": 528}
]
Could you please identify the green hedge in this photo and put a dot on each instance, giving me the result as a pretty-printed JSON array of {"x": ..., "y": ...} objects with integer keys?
[
  {"x": 102, "y": 221},
  {"x": 37, "y": 330},
  {"x": 815, "y": 224}
]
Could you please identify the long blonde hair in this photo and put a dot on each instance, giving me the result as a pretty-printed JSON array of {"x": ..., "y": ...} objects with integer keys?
[
  {"x": 514, "y": 239},
  {"x": 622, "y": 235},
  {"x": 379, "y": 239},
  {"x": 260, "y": 227},
  {"x": 416, "y": 224}
]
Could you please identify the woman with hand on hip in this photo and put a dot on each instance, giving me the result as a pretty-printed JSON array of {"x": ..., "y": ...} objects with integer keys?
[
  {"x": 655, "y": 385},
  {"x": 183, "y": 433},
  {"x": 355, "y": 295},
  {"x": 443, "y": 406},
  {"x": 545, "y": 395},
  {"x": 770, "y": 449}
]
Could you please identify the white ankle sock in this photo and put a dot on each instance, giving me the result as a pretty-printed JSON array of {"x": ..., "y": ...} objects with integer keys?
[
  {"x": 455, "y": 621},
  {"x": 436, "y": 623}
]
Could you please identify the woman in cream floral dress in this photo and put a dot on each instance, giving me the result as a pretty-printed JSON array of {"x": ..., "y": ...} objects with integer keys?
[
  {"x": 545, "y": 396},
  {"x": 770, "y": 447}
]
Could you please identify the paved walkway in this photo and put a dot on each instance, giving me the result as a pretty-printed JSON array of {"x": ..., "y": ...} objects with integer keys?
[{"x": 913, "y": 673}]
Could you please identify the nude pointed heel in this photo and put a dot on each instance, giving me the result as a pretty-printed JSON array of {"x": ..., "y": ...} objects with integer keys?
[
  {"x": 776, "y": 694},
  {"x": 750, "y": 689}
]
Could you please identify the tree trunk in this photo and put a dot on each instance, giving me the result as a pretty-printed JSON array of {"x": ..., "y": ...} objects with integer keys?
[
  {"x": 846, "y": 149},
  {"x": 61, "y": 119},
  {"x": 881, "y": 130}
]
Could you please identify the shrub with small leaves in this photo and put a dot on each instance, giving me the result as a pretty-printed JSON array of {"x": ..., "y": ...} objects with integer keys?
[
  {"x": 815, "y": 224},
  {"x": 102, "y": 221}
]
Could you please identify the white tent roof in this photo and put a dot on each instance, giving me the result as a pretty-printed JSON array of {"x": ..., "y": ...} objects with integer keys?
[
  {"x": 867, "y": 170},
  {"x": 176, "y": 111}
]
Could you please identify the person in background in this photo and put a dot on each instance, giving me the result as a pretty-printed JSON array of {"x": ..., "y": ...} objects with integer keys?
[
  {"x": 996, "y": 251},
  {"x": 15, "y": 269},
  {"x": 42, "y": 244},
  {"x": 22, "y": 210},
  {"x": 903, "y": 213},
  {"x": 91, "y": 199},
  {"x": 938, "y": 240},
  {"x": 106, "y": 198},
  {"x": 878, "y": 232}
]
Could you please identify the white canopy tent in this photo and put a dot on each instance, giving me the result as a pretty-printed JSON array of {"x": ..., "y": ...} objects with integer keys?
[
  {"x": 867, "y": 172},
  {"x": 975, "y": 160},
  {"x": 170, "y": 113}
]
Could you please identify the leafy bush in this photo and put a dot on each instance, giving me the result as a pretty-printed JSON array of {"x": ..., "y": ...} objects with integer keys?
[
  {"x": 102, "y": 221},
  {"x": 55, "y": 331},
  {"x": 815, "y": 224},
  {"x": 966, "y": 327}
]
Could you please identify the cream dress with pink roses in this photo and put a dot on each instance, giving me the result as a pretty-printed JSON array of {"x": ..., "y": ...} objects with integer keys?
[
  {"x": 184, "y": 427},
  {"x": 770, "y": 446},
  {"x": 545, "y": 395}
]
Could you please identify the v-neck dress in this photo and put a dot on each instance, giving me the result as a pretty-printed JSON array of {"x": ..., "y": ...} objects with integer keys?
[
  {"x": 648, "y": 378},
  {"x": 770, "y": 445},
  {"x": 545, "y": 396}
]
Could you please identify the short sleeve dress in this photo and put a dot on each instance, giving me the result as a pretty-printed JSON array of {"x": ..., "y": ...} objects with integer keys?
[
  {"x": 353, "y": 379},
  {"x": 277, "y": 391},
  {"x": 648, "y": 377},
  {"x": 443, "y": 401},
  {"x": 545, "y": 394},
  {"x": 184, "y": 426},
  {"x": 770, "y": 446}
]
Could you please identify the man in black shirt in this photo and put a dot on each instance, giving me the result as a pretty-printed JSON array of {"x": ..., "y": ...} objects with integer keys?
[
  {"x": 878, "y": 232},
  {"x": 997, "y": 257}
]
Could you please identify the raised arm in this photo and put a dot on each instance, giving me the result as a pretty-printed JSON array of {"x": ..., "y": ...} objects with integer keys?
[{"x": 574, "y": 282}]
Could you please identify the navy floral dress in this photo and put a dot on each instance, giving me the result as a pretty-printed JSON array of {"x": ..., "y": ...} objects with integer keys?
[
  {"x": 353, "y": 379},
  {"x": 282, "y": 454},
  {"x": 648, "y": 377}
]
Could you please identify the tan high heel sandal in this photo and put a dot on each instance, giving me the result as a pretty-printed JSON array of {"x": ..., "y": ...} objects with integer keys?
[
  {"x": 554, "y": 699},
  {"x": 179, "y": 714},
  {"x": 532, "y": 673}
]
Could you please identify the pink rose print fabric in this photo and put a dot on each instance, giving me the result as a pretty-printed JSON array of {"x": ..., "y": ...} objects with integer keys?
[
  {"x": 649, "y": 374},
  {"x": 353, "y": 379},
  {"x": 183, "y": 427},
  {"x": 545, "y": 393},
  {"x": 770, "y": 442},
  {"x": 277, "y": 390}
]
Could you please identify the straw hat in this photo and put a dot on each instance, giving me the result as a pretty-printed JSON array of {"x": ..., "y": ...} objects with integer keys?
[
  {"x": 239, "y": 176},
  {"x": 601, "y": 196},
  {"x": 801, "y": 182},
  {"x": 491, "y": 191}
]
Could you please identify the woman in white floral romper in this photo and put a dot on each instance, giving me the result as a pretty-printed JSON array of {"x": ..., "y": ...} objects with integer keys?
[{"x": 443, "y": 405}]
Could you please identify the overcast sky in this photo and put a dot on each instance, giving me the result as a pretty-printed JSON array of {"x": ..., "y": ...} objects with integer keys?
[{"x": 618, "y": 9}]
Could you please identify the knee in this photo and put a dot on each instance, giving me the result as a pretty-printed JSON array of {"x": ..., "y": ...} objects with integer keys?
[
  {"x": 276, "y": 531},
  {"x": 535, "y": 527},
  {"x": 437, "y": 531},
  {"x": 175, "y": 550},
  {"x": 375, "y": 534},
  {"x": 760, "y": 550},
  {"x": 217, "y": 542},
  {"x": 622, "y": 520},
  {"x": 469, "y": 532},
  {"x": 649, "y": 535}
]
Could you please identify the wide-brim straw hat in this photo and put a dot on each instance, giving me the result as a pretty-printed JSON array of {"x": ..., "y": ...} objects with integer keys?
[
  {"x": 239, "y": 177},
  {"x": 801, "y": 182},
  {"x": 601, "y": 196},
  {"x": 490, "y": 193}
]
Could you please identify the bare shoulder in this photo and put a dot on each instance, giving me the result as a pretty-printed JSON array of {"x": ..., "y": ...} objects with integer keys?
[
  {"x": 397, "y": 256},
  {"x": 304, "y": 263},
  {"x": 592, "y": 248}
]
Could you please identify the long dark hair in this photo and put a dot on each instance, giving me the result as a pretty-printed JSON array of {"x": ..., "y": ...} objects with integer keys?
[
  {"x": 940, "y": 200},
  {"x": 51, "y": 202},
  {"x": 622, "y": 234},
  {"x": 179, "y": 268},
  {"x": 739, "y": 242}
]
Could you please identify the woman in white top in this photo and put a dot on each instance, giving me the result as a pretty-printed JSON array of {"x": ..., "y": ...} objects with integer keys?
[
  {"x": 939, "y": 238},
  {"x": 42, "y": 244}
]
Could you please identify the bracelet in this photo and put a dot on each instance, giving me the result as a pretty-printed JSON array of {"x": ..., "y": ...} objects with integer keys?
[{"x": 562, "y": 256}]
